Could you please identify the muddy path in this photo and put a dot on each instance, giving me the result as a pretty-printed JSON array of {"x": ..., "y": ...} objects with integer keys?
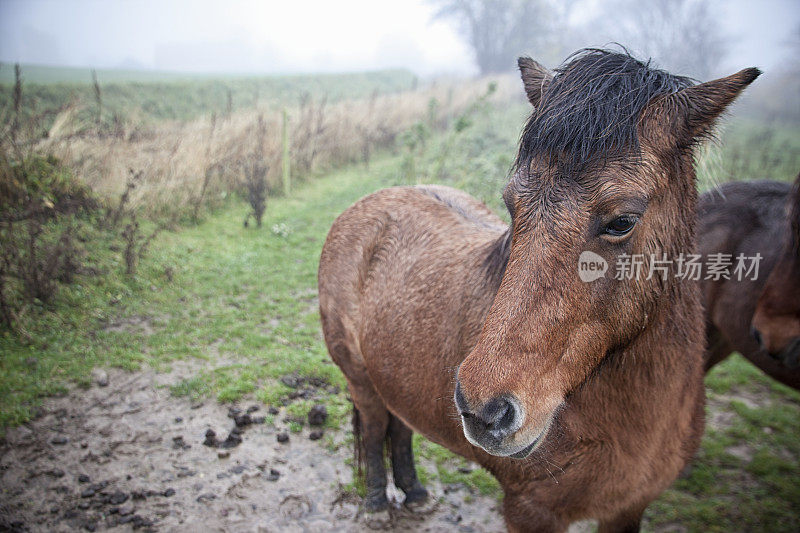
[{"x": 128, "y": 455}]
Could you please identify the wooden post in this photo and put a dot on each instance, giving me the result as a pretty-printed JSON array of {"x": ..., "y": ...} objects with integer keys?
[
  {"x": 98, "y": 98},
  {"x": 287, "y": 179}
]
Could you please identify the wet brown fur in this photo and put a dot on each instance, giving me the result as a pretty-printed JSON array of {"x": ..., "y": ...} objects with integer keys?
[
  {"x": 749, "y": 218},
  {"x": 777, "y": 315},
  {"x": 423, "y": 287}
]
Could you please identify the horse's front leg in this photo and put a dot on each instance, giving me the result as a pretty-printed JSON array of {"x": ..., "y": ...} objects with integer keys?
[{"x": 405, "y": 475}]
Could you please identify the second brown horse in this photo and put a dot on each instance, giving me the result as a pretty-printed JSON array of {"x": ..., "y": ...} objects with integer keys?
[{"x": 758, "y": 316}]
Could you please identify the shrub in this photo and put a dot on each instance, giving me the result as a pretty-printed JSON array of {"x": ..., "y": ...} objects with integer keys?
[{"x": 39, "y": 201}]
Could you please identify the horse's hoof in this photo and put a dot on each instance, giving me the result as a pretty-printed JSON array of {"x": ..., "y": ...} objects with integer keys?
[
  {"x": 376, "y": 504},
  {"x": 378, "y": 519},
  {"x": 416, "y": 497}
]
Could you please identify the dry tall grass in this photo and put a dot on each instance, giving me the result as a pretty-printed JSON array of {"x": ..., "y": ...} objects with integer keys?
[{"x": 186, "y": 164}]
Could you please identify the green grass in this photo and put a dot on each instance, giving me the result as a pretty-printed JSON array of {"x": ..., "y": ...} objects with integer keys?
[
  {"x": 46, "y": 74},
  {"x": 745, "y": 476},
  {"x": 747, "y": 149},
  {"x": 757, "y": 150},
  {"x": 243, "y": 302},
  {"x": 452, "y": 469},
  {"x": 241, "y": 299}
]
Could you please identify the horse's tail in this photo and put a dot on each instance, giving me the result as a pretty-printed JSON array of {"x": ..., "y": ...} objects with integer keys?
[{"x": 358, "y": 450}]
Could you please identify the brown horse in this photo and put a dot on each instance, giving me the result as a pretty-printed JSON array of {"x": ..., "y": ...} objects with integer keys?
[
  {"x": 776, "y": 321},
  {"x": 584, "y": 399},
  {"x": 750, "y": 218}
]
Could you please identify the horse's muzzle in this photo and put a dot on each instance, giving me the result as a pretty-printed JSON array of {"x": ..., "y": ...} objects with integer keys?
[
  {"x": 790, "y": 356},
  {"x": 489, "y": 426}
]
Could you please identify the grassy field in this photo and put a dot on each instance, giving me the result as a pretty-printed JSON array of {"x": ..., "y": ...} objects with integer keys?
[
  {"x": 750, "y": 149},
  {"x": 149, "y": 97},
  {"x": 46, "y": 74},
  {"x": 244, "y": 302}
]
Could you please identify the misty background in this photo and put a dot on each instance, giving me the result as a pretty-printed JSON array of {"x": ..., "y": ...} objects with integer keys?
[{"x": 434, "y": 37}]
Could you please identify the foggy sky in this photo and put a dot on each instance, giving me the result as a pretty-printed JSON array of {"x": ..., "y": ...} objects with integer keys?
[{"x": 301, "y": 36}]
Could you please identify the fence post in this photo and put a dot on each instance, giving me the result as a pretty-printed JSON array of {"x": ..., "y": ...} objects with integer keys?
[{"x": 287, "y": 179}]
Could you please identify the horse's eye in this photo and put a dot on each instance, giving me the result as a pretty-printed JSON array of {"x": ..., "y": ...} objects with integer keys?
[{"x": 621, "y": 225}]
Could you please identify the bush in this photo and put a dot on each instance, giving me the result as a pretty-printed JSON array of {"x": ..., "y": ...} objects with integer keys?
[
  {"x": 40, "y": 187},
  {"x": 39, "y": 202}
]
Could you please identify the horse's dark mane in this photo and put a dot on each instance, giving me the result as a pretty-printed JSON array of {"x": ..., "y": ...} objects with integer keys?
[
  {"x": 497, "y": 257},
  {"x": 589, "y": 111}
]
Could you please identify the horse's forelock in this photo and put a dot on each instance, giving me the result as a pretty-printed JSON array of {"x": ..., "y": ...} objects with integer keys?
[{"x": 590, "y": 110}]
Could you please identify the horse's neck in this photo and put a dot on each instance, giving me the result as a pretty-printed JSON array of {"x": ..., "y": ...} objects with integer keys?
[{"x": 658, "y": 376}]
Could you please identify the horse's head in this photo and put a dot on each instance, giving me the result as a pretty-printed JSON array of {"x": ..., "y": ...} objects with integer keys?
[
  {"x": 776, "y": 321},
  {"x": 603, "y": 179}
]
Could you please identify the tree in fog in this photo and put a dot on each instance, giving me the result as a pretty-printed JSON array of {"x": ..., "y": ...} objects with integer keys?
[
  {"x": 682, "y": 36},
  {"x": 499, "y": 31},
  {"x": 793, "y": 45},
  {"x": 777, "y": 97}
]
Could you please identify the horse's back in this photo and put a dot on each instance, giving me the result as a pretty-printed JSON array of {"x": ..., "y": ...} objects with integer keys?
[
  {"x": 403, "y": 289},
  {"x": 399, "y": 231},
  {"x": 738, "y": 210}
]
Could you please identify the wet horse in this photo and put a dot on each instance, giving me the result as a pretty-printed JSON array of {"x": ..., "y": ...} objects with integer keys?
[
  {"x": 583, "y": 399},
  {"x": 776, "y": 321},
  {"x": 749, "y": 218}
]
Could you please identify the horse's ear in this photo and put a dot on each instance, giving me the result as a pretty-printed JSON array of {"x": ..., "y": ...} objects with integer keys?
[
  {"x": 691, "y": 113},
  {"x": 535, "y": 78}
]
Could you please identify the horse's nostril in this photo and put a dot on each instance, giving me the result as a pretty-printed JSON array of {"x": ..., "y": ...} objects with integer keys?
[
  {"x": 498, "y": 415},
  {"x": 494, "y": 421},
  {"x": 757, "y": 337}
]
